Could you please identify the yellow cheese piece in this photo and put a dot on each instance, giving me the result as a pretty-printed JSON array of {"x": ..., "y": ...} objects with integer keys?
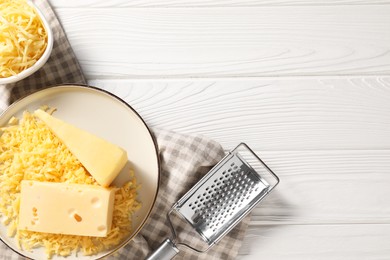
[
  {"x": 63, "y": 208},
  {"x": 102, "y": 159}
]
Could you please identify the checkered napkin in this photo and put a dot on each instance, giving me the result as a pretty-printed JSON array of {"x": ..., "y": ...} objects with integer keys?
[{"x": 184, "y": 160}]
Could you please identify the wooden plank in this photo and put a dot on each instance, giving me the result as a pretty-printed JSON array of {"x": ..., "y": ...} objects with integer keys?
[
  {"x": 230, "y": 42},
  {"x": 319, "y": 242},
  {"x": 220, "y": 3},
  {"x": 304, "y": 129},
  {"x": 271, "y": 114},
  {"x": 320, "y": 187}
]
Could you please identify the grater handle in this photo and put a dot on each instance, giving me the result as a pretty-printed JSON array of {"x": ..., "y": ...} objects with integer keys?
[{"x": 166, "y": 251}]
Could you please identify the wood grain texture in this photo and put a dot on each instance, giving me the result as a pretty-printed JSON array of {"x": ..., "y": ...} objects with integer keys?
[
  {"x": 323, "y": 180},
  {"x": 327, "y": 113},
  {"x": 209, "y": 3},
  {"x": 305, "y": 83},
  {"x": 317, "y": 242},
  {"x": 333, "y": 199},
  {"x": 230, "y": 42},
  {"x": 327, "y": 187}
]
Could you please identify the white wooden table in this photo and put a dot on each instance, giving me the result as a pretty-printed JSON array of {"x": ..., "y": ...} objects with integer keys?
[{"x": 305, "y": 83}]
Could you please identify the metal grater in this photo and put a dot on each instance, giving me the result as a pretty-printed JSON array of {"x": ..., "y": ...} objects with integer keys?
[{"x": 221, "y": 199}]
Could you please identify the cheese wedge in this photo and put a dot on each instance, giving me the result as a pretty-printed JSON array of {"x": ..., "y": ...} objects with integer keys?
[
  {"x": 102, "y": 159},
  {"x": 63, "y": 208}
]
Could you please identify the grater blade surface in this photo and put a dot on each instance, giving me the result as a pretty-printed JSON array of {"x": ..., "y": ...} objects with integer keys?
[{"x": 225, "y": 195}]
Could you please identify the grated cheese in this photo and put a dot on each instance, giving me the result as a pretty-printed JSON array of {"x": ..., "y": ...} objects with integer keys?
[
  {"x": 23, "y": 38},
  {"x": 29, "y": 151}
]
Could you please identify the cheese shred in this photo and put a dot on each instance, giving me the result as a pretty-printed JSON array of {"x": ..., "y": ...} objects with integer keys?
[
  {"x": 23, "y": 38},
  {"x": 29, "y": 151}
]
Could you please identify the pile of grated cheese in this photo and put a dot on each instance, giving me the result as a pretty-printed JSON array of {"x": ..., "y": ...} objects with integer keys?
[
  {"x": 29, "y": 151},
  {"x": 23, "y": 38}
]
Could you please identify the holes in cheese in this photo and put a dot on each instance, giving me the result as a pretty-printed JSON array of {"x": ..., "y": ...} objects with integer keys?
[
  {"x": 101, "y": 228},
  {"x": 58, "y": 208},
  {"x": 102, "y": 159},
  {"x": 77, "y": 217},
  {"x": 95, "y": 202}
]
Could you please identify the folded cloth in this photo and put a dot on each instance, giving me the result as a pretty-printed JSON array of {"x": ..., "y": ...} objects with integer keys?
[{"x": 184, "y": 160}]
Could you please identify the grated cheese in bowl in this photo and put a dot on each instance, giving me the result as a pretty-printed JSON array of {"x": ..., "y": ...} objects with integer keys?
[
  {"x": 29, "y": 151},
  {"x": 25, "y": 40}
]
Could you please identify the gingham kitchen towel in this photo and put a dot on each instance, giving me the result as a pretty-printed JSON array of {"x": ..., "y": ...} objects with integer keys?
[{"x": 184, "y": 160}]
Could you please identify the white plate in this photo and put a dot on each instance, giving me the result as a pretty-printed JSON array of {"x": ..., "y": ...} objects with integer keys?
[{"x": 111, "y": 118}]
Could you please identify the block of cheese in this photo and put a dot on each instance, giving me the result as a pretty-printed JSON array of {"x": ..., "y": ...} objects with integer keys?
[
  {"x": 63, "y": 208},
  {"x": 102, "y": 159}
]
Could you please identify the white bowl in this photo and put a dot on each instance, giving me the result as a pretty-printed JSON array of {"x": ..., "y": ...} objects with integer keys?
[{"x": 45, "y": 56}]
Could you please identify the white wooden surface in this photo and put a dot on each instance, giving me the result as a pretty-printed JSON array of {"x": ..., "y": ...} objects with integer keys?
[{"x": 305, "y": 83}]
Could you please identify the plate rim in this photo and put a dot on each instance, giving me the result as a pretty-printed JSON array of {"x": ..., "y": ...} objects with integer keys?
[{"x": 156, "y": 150}]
